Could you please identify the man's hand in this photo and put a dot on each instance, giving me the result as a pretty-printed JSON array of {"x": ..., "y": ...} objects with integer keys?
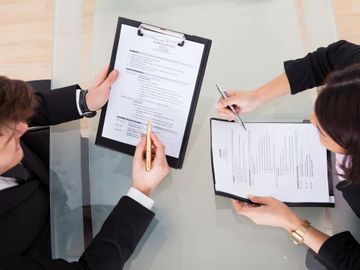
[
  {"x": 99, "y": 91},
  {"x": 147, "y": 181}
]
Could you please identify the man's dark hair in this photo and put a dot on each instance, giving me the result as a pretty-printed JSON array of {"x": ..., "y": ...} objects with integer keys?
[
  {"x": 337, "y": 109},
  {"x": 17, "y": 101}
]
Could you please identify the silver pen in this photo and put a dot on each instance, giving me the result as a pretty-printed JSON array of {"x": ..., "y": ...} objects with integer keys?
[{"x": 225, "y": 96}]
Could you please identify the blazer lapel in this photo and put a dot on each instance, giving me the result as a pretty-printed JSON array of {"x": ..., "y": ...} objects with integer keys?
[
  {"x": 11, "y": 197},
  {"x": 32, "y": 163}
]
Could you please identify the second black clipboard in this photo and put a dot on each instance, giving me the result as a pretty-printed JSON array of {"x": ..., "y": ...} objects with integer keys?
[
  {"x": 233, "y": 195},
  {"x": 177, "y": 39}
]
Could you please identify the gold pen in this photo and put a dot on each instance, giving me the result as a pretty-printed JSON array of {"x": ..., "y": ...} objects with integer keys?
[{"x": 148, "y": 146}]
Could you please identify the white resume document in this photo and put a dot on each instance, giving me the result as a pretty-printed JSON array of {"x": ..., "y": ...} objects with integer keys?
[
  {"x": 157, "y": 80},
  {"x": 283, "y": 160}
]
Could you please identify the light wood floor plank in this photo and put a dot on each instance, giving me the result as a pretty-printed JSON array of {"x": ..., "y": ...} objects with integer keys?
[{"x": 26, "y": 34}]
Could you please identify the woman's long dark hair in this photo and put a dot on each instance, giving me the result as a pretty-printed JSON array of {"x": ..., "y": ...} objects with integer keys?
[{"x": 337, "y": 109}]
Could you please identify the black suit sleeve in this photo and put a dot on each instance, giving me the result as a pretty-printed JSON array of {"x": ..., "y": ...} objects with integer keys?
[
  {"x": 109, "y": 250},
  {"x": 311, "y": 71},
  {"x": 341, "y": 251},
  {"x": 57, "y": 106}
]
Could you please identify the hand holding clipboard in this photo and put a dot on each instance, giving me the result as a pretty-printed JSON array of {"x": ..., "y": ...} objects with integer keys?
[{"x": 162, "y": 71}]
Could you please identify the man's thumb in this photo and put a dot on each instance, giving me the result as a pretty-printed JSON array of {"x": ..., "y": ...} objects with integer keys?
[{"x": 111, "y": 78}]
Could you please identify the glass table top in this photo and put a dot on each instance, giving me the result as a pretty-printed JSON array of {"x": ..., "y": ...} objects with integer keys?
[{"x": 193, "y": 228}]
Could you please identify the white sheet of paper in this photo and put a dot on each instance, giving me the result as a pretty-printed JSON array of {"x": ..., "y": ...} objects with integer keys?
[
  {"x": 283, "y": 160},
  {"x": 157, "y": 81}
]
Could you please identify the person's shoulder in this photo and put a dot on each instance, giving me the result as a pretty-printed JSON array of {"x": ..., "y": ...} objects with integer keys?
[{"x": 344, "y": 46}]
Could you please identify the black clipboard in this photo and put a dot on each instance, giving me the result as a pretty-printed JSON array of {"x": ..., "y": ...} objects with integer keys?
[
  {"x": 302, "y": 204},
  {"x": 130, "y": 149}
]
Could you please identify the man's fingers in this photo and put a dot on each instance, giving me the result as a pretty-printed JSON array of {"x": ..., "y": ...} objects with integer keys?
[
  {"x": 140, "y": 148},
  {"x": 159, "y": 147},
  {"x": 159, "y": 150},
  {"x": 101, "y": 76},
  {"x": 111, "y": 79}
]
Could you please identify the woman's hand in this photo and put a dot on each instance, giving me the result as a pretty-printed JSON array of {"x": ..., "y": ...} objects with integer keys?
[
  {"x": 271, "y": 212},
  {"x": 242, "y": 101},
  {"x": 248, "y": 101}
]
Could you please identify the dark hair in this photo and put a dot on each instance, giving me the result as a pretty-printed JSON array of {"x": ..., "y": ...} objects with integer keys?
[
  {"x": 337, "y": 109},
  {"x": 17, "y": 101}
]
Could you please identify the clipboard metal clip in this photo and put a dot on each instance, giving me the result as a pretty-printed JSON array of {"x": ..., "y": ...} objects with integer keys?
[{"x": 158, "y": 33}]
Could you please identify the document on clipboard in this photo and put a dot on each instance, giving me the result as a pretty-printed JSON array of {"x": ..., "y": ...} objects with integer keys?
[
  {"x": 283, "y": 160},
  {"x": 161, "y": 72}
]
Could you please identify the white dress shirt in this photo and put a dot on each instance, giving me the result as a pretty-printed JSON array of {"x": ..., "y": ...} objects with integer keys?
[{"x": 7, "y": 182}]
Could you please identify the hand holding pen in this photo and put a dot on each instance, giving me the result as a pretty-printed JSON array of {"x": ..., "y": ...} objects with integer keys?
[
  {"x": 234, "y": 111},
  {"x": 242, "y": 101},
  {"x": 144, "y": 180}
]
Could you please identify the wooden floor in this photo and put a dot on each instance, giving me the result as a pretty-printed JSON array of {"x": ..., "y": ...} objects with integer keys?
[
  {"x": 26, "y": 34},
  {"x": 26, "y": 38}
]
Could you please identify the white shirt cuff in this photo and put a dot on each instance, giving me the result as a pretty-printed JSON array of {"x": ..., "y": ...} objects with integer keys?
[
  {"x": 78, "y": 101},
  {"x": 140, "y": 198}
]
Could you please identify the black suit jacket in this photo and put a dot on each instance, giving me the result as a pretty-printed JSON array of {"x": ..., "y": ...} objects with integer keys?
[{"x": 24, "y": 209}]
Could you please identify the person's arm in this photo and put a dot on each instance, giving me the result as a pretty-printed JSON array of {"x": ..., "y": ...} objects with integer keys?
[
  {"x": 247, "y": 101},
  {"x": 124, "y": 227},
  {"x": 341, "y": 251},
  {"x": 57, "y": 106},
  {"x": 275, "y": 213},
  {"x": 109, "y": 250},
  {"x": 300, "y": 74},
  {"x": 312, "y": 70},
  {"x": 60, "y": 105}
]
